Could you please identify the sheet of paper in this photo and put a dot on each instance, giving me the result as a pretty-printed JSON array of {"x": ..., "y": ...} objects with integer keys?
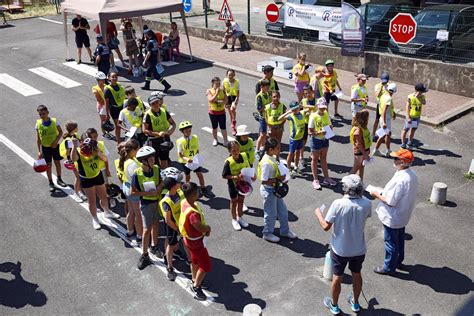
[
  {"x": 329, "y": 132},
  {"x": 381, "y": 132},
  {"x": 366, "y": 162},
  {"x": 371, "y": 188},
  {"x": 205, "y": 241},
  {"x": 248, "y": 172},
  {"x": 41, "y": 162},
  {"x": 339, "y": 94},
  {"x": 131, "y": 132},
  {"x": 149, "y": 186},
  {"x": 322, "y": 208}
]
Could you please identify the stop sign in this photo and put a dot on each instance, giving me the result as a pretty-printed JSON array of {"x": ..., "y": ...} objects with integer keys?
[
  {"x": 272, "y": 12},
  {"x": 402, "y": 28}
]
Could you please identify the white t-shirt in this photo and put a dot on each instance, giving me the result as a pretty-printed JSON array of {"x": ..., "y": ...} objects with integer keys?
[
  {"x": 400, "y": 193},
  {"x": 130, "y": 171},
  {"x": 355, "y": 94},
  {"x": 134, "y": 114},
  {"x": 348, "y": 217},
  {"x": 236, "y": 27}
]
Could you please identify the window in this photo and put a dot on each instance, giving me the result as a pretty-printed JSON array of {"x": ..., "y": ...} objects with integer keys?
[{"x": 433, "y": 19}]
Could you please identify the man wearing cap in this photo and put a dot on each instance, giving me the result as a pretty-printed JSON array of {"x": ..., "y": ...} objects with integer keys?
[
  {"x": 268, "y": 75},
  {"x": 380, "y": 89},
  {"x": 359, "y": 95},
  {"x": 348, "y": 216},
  {"x": 397, "y": 201},
  {"x": 387, "y": 113},
  {"x": 329, "y": 86},
  {"x": 415, "y": 103},
  {"x": 80, "y": 27},
  {"x": 152, "y": 59},
  {"x": 102, "y": 55}
]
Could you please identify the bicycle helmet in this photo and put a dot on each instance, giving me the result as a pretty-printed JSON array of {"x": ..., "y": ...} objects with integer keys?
[
  {"x": 166, "y": 146},
  {"x": 172, "y": 172},
  {"x": 113, "y": 190},
  {"x": 88, "y": 146},
  {"x": 185, "y": 124},
  {"x": 145, "y": 152},
  {"x": 40, "y": 166},
  {"x": 154, "y": 96},
  {"x": 392, "y": 87},
  {"x": 69, "y": 165},
  {"x": 108, "y": 126},
  {"x": 244, "y": 188},
  {"x": 100, "y": 76},
  {"x": 281, "y": 189},
  {"x": 329, "y": 62}
]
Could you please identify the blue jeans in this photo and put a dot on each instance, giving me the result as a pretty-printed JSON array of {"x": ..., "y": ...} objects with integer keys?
[
  {"x": 394, "y": 247},
  {"x": 273, "y": 207}
]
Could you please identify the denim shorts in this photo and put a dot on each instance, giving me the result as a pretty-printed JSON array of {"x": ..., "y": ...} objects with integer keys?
[
  {"x": 295, "y": 145},
  {"x": 263, "y": 126},
  {"x": 127, "y": 190},
  {"x": 318, "y": 144}
]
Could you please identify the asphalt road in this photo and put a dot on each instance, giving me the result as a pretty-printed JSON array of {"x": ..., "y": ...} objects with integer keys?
[{"x": 67, "y": 267}]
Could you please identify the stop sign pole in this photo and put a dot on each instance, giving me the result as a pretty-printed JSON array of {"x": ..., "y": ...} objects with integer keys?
[{"x": 402, "y": 28}]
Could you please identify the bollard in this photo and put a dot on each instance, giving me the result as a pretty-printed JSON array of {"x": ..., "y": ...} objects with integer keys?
[
  {"x": 438, "y": 193},
  {"x": 327, "y": 270},
  {"x": 252, "y": 310}
]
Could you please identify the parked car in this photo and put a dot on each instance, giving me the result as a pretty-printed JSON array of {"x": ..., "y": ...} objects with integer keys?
[
  {"x": 377, "y": 18},
  {"x": 457, "y": 19}
]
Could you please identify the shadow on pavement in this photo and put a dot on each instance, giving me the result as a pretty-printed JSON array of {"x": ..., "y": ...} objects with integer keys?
[
  {"x": 17, "y": 292},
  {"x": 441, "y": 280},
  {"x": 437, "y": 152},
  {"x": 230, "y": 293},
  {"x": 423, "y": 162},
  {"x": 371, "y": 310}
]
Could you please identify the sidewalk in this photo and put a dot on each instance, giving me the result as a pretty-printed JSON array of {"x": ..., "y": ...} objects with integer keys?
[{"x": 441, "y": 106}]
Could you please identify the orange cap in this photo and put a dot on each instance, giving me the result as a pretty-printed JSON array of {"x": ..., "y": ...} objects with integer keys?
[{"x": 404, "y": 155}]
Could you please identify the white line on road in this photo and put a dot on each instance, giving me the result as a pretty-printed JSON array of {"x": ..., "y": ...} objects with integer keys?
[
  {"x": 120, "y": 231},
  {"x": 52, "y": 21},
  {"x": 55, "y": 77},
  {"x": 18, "y": 86},
  {"x": 209, "y": 130},
  {"x": 87, "y": 69}
]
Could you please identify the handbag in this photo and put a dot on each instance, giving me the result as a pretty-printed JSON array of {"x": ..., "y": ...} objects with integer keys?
[{"x": 160, "y": 69}]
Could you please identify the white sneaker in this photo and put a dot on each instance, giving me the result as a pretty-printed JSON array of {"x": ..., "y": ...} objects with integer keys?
[
  {"x": 271, "y": 238},
  {"x": 290, "y": 235},
  {"x": 243, "y": 222},
  {"x": 387, "y": 153},
  {"x": 76, "y": 198},
  {"x": 236, "y": 225},
  {"x": 95, "y": 223},
  {"x": 245, "y": 208},
  {"x": 110, "y": 214},
  {"x": 225, "y": 143},
  {"x": 82, "y": 196},
  {"x": 377, "y": 152},
  {"x": 214, "y": 142}
]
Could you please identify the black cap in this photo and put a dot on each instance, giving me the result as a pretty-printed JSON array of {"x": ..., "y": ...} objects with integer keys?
[
  {"x": 169, "y": 182},
  {"x": 268, "y": 68},
  {"x": 421, "y": 87}
]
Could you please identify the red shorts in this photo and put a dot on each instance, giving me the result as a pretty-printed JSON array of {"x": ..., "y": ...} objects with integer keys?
[{"x": 201, "y": 258}]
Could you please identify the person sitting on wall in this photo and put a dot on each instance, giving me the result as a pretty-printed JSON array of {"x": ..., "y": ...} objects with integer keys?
[{"x": 232, "y": 30}]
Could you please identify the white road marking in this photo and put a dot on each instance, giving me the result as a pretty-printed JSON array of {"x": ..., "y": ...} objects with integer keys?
[
  {"x": 55, "y": 77},
  {"x": 52, "y": 21},
  {"x": 120, "y": 231},
  {"x": 18, "y": 86},
  {"x": 87, "y": 69},
  {"x": 219, "y": 134}
]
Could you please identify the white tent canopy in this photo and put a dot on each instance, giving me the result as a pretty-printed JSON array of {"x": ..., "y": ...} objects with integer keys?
[{"x": 105, "y": 10}]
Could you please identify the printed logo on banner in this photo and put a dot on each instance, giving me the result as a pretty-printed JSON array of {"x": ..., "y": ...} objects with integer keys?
[
  {"x": 326, "y": 15},
  {"x": 313, "y": 17},
  {"x": 225, "y": 13}
]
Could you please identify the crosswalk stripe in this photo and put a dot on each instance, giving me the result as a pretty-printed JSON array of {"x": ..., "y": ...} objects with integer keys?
[
  {"x": 209, "y": 130},
  {"x": 17, "y": 85},
  {"x": 88, "y": 70},
  {"x": 55, "y": 77}
]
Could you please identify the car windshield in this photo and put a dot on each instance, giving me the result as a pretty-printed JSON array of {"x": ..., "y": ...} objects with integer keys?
[
  {"x": 375, "y": 12},
  {"x": 433, "y": 19}
]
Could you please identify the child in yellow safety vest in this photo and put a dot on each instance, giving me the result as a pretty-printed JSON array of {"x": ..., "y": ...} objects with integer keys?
[
  {"x": 301, "y": 75},
  {"x": 361, "y": 141},
  {"x": 232, "y": 89},
  {"x": 130, "y": 118},
  {"x": 99, "y": 93},
  {"x": 330, "y": 82},
  {"x": 130, "y": 93},
  {"x": 309, "y": 106},
  {"x": 387, "y": 113},
  {"x": 272, "y": 113},
  {"x": 296, "y": 119},
  {"x": 380, "y": 89},
  {"x": 187, "y": 148},
  {"x": 217, "y": 99},
  {"x": 415, "y": 104},
  {"x": 359, "y": 95},
  {"x": 114, "y": 97},
  {"x": 48, "y": 134},
  {"x": 246, "y": 143}
]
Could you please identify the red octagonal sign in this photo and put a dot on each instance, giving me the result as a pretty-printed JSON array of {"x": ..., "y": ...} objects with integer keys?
[{"x": 402, "y": 28}]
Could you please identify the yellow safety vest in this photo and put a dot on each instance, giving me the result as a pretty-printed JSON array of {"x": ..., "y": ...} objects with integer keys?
[
  {"x": 189, "y": 147},
  {"x": 365, "y": 136},
  {"x": 142, "y": 179},
  {"x": 297, "y": 125},
  {"x": 330, "y": 80},
  {"x": 267, "y": 160},
  {"x": 383, "y": 90},
  {"x": 137, "y": 121},
  {"x": 248, "y": 149},
  {"x": 319, "y": 122},
  {"x": 307, "y": 112},
  {"x": 159, "y": 123},
  {"x": 274, "y": 113},
  {"x": 266, "y": 99},
  {"x": 385, "y": 100},
  {"x": 186, "y": 209},
  {"x": 415, "y": 105},
  {"x": 219, "y": 104},
  {"x": 175, "y": 207},
  {"x": 236, "y": 167},
  {"x": 142, "y": 106},
  {"x": 47, "y": 134},
  {"x": 231, "y": 88},
  {"x": 304, "y": 77},
  {"x": 62, "y": 146},
  {"x": 360, "y": 93},
  {"x": 272, "y": 84},
  {"x": 122, "y": 174},
  {"x": 91, "y": 165},
  {"x": 99, "y": 91},
  {"x": 119, "y": 96},
  {"x": 317, "y": 84}
]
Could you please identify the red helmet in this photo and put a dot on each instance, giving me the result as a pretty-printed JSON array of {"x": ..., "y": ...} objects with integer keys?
[
  {"x": 40, "y": 165},
  {"x": 69, "y": 165},
  {"x": 88, "y": 146},
  {"x": 244, "y": 188}
]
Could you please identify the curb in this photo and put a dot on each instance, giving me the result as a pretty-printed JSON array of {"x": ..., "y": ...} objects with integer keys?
[{"x": 443, "y": 118}]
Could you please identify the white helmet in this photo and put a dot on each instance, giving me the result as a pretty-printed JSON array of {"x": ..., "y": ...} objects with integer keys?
[
  {"x": 172, "y": 172},
  {"x": 100, "y": 76},
  {"x": 145, "y": 151},
  {"x": 392, "y": 87},
  {"x": 157, "y": 95}
]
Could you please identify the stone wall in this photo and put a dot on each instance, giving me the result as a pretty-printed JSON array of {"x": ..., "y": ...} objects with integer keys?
[{"x": 446, "y": 77}]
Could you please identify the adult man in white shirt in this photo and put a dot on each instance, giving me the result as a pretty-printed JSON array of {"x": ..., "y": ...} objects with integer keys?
[
  {"x": 394, "y": 210},
  {"x": 232, "y": 30}
]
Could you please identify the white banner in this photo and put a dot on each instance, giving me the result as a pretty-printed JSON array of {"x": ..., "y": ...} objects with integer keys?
[{"x": 313, "y": 17}]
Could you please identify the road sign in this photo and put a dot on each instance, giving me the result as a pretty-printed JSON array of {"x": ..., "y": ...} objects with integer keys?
[
  {"x": 402, "y": 28},
  {"x": 273, "y": 13},
  {"x": 187, "y": 5},
  {"x": 225, "y": 13}
]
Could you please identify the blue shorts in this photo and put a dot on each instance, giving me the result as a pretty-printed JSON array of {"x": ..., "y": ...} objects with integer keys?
[
  {"x": 318, "y": 144},
  {"x": 296, "y": 145},
  {"x": 127, "y": 190},
  {"x": 263, "y": 126}
]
